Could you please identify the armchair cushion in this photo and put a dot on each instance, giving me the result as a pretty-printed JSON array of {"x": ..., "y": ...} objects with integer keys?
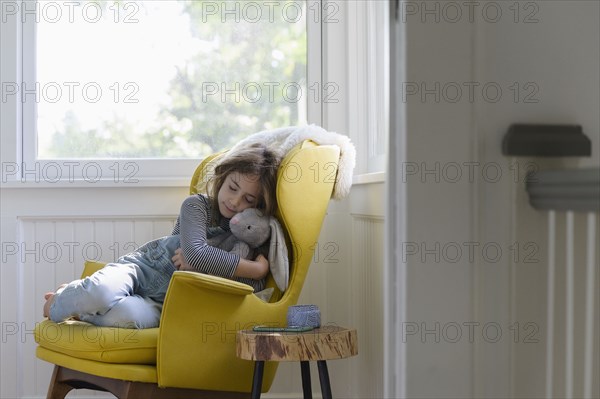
[{"x": 105, "y": 344}]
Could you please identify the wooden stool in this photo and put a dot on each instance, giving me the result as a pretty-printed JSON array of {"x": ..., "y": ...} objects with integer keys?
[{"x": 321, "y": 344}]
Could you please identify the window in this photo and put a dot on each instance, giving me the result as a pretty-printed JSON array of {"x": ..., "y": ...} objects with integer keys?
[{"x": 149, "y": 87}]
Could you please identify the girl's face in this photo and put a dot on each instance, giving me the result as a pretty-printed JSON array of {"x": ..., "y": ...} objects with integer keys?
[{"x": 238, "y": 192}]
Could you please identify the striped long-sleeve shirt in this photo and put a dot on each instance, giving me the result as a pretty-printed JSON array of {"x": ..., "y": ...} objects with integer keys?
[{"x": 193, "y": 228}]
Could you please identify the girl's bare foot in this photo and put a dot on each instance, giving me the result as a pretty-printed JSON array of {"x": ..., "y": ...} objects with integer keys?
[{"x": 49, "y": 297}]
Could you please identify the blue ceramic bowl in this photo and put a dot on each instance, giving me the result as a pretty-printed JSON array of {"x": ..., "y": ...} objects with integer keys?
[{"x": 304, "y": 316}]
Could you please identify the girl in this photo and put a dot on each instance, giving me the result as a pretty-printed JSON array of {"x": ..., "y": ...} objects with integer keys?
[{"x": 130, "y": 292}]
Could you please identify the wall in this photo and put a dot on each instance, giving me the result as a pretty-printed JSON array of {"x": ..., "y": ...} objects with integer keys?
[
  {"x": 439, "y": 216},
  {"x": 465, "y": 235},
  {"x": 553, "y": 49}
]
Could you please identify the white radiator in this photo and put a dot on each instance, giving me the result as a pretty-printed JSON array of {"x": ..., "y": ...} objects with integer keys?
[{"x": 567, "y": 195}]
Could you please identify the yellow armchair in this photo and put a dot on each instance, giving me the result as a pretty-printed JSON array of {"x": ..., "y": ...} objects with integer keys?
[{"x": 192, "y": 353}]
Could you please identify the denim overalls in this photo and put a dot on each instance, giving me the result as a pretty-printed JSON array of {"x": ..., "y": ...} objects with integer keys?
[{"x": 127, "y": 293}]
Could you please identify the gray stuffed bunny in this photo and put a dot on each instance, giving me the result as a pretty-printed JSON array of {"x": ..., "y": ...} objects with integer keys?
[{"x": 249, "y": 230}]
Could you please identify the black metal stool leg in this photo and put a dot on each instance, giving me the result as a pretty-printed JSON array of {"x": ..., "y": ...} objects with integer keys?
[
  {"x": 259, "y": 367},
  {"x": 306, "y": 386},
  {"x": 324, "y": 379}
]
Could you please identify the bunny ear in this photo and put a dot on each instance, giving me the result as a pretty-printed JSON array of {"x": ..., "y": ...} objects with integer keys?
[{"x": 278, "y": 256}]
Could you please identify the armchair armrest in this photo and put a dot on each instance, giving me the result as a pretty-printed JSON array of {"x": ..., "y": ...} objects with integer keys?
[
  {"x": 215, "y": 283},
  {"x": 199, "y": 322}
]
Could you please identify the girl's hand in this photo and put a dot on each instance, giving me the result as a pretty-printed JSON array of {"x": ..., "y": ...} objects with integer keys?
[
  {"x": 179, "y": 261},
  {"x": 262, "y": 266},
  {"x": 255, "y": 269}
]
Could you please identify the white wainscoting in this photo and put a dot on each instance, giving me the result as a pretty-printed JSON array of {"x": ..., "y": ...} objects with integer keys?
[
  {"x": 53, "y": 251},
  {"x": 346, "y": 282},
  {"x": 367, "y": 256},
  {"x": 47, "y": 234}
]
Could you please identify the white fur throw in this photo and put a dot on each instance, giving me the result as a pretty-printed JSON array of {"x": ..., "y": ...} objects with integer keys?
[{"x": 284, "y": 139}]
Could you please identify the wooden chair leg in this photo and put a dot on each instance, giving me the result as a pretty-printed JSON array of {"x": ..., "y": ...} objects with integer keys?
[
  {"x": 57, "y": 388},
  {"x": 64, "y": 380},
  {"x": 137, "y": 390}
]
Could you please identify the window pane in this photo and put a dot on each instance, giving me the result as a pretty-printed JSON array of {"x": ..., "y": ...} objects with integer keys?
[{"x": 166, "y": 79}]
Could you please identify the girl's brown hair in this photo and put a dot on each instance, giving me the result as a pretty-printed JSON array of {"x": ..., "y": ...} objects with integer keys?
[{"x": 256, "y": 160}]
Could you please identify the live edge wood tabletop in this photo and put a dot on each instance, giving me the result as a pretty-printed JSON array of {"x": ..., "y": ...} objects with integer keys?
[{"x": 320, "y": 345}]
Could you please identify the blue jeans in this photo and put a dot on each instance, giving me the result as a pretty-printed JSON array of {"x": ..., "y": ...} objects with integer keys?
[{"x": 128, "y": 293}]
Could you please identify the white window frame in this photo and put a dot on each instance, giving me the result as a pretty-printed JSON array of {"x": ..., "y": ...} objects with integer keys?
[
  {"x": 369, "y": 96},
  {"x": 356, "y": 62},
  {"x": 18, "y": 134}
]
